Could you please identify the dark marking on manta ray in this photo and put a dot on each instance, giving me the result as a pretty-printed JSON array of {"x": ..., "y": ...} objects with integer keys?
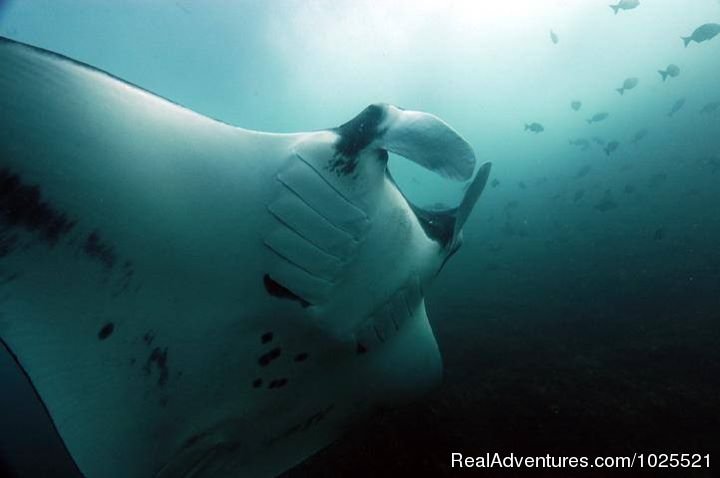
[
  {"x": 98, "y": 249},
  {"x": 257, "y": 383},
  {"x": 279, "y": 383},
  {"x": 360, "y": 349},
  {"x": 266, "y": 358},
  {"x": 301, "y": 357},
  {"x": 276, "y": 289},
  {"x": 126, "y": 279},
  {"x": 106, "y": 331},
  {"x": 158, "y": 357},
  {"x": 266, "y": 337},
  {"x": 354, "y": 136},
  {"x": 22, "y": 205}
]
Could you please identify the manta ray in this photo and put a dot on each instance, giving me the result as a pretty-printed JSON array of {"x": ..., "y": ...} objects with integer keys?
[{"x": 189, "y": 298}]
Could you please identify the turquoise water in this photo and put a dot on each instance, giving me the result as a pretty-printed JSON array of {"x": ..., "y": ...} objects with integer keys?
[{"x": 582, "y": 313}]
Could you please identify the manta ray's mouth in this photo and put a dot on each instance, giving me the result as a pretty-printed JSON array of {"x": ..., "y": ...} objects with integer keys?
[
  {"x": 438, "y": 224},
  {"x": 435, "y": 210},
  {"x": 442, "y": 221}
]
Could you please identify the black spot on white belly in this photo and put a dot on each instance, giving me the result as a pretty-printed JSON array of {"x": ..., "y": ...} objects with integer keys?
[
  {"x": 265, "y": 359},
  {"x": 96, "y": 248},
  {"x": 278, "y": 383},
  {"x": 106, "y": 331},
  {"x": 276, "y": 289},
  {"x": 23, "y": 206},
  {"x": 158, "y": 359}
]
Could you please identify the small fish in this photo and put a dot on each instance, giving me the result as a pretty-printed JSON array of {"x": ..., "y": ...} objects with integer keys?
[
  {"x": 628, "y": 84},
  {"x": 710, "y": 107},
  {"x": 522, "y": 185},
  {"x": 581, "y": 142},
  {"x": 597, "y": 117},
  {"x": 534, "y": 127},
  {"x": 582, "y": 172},
  {"x": 554, "y": 37},
  {"x": 607, "y": 203},
  {"x": 578, "y": 195},
  {"x": 639, "y": 136},
  {"x": 672, "y": 71},
  {"x": 659, "y": 234},
  {"x": 611, "y": 147},
  {"x": 598, "y": 140},
  {"x": 702, "y": 33},
  {"x": 495, "y": 183},
  {"x": 625, "y": 5},
  {"x": 576, "y": 105},
  {"x": 676, "y": 107},
  {"x": 629, "y": 189}
]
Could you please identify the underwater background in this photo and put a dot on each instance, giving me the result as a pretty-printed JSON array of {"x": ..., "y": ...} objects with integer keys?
[{"x": 582, "y": 315}]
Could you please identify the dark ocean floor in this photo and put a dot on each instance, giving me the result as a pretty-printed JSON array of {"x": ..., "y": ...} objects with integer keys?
[{"x": 637, "y": 374}]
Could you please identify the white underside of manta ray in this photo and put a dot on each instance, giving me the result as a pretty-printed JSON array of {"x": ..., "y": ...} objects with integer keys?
[{"x": 189, "y": 298}]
